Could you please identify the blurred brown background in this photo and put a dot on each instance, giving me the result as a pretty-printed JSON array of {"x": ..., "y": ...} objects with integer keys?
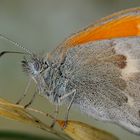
[{"x": 41, "y": 25}]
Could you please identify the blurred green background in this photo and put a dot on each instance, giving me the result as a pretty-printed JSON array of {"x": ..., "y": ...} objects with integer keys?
[{"x": 41, "y": 25}]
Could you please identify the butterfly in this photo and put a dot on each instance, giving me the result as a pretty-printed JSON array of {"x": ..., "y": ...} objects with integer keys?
[{"x": 96, "y": 69}]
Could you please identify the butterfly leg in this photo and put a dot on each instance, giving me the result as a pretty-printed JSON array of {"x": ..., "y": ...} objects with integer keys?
[
  {"x": 69, "y": 106},
  {"x": 55, "y": 115},
  {"x": 24, "y": 93},
  {"x": 31, "y": 101}
]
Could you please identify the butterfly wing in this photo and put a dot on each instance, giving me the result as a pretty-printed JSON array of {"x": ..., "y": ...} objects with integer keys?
[
  {"x": 104, "y": 70},
  {"x": 121, "y": 24},
  {"x": 106, "y": 76}
]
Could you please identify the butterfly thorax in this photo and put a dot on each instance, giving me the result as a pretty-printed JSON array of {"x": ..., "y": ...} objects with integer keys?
[{"x": 48, "y": 78}]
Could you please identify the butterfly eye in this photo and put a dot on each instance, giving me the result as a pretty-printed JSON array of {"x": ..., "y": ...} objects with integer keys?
[{"x": 36, "y": 66}]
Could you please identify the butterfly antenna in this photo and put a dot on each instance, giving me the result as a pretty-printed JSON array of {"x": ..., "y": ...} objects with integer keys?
[
  {"x": 15, "y": 43},
  {"x": 5, "y": 52}
]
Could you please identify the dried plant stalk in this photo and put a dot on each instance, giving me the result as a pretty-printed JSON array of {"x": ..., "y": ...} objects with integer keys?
[
  {"x": 75, "y": 130},
  {"x": 81, "y": 131},
  {"x": 18, "y": 113}
]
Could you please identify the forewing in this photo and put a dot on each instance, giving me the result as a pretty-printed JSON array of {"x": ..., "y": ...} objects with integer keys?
[
  {"x": 106, "y": 76},
  {"x": 121, "y": 24}
]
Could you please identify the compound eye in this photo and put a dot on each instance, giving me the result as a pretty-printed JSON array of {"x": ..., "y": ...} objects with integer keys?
[{"x": 36, "y": 66}]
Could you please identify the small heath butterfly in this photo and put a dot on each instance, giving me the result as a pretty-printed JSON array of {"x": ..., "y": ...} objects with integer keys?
[{"x": 97, "y": 69}]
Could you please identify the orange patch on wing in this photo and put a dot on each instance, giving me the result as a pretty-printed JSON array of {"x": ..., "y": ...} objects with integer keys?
[{"x": 120, "y": 27}]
